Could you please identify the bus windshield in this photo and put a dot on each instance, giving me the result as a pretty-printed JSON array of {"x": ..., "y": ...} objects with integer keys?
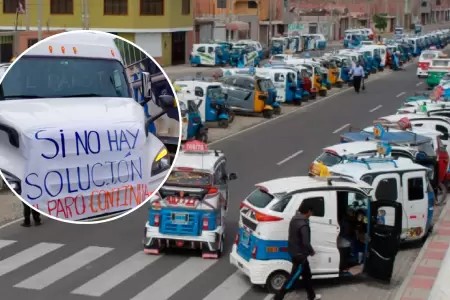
[{"x": 65, "y": 77}]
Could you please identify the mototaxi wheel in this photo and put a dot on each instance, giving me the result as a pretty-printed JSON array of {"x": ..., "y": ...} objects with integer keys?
[
  {"x": 223, "y": 123},
  {"x": 339, "y": 84},
  {"x": 277, "y": 110},
  {"x": 313, "y": 96},
  {"x": 323, "y": 93},
  {"x": 268, "y": 113},
  {"x": 275, "y": 281}
]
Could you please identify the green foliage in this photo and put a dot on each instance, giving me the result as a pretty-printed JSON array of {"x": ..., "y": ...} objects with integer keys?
[{"x": 380, "y": 22}]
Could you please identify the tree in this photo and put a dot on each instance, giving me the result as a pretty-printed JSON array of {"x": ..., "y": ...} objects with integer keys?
[{"x": 380, "y": 22}]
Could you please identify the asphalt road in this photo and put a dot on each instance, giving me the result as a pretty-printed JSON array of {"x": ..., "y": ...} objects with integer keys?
[{"x": 81, "y": 262}]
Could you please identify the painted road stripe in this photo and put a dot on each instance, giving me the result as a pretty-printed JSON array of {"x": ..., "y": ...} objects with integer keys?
[
  {"x": 26, "y": 256},
  {"x": 5, "y": 243},
  {"x": 289, "y": 157},
  {"x": 63, "y": 268},
  {"x": 269, "y": 297},
  {"x": 376, "y": 108},
  {"x": 175, "y": 280},
  {"x": 234, "y": 287},
  {"x": 116, "y": 275},
  {"x": 341, "y": 128},
  {"x": 401, "y": 94},
  {"x": 419, "y": 83}
]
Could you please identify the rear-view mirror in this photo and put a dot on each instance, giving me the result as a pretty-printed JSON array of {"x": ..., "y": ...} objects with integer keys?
[{"x": 167, "y": 101}]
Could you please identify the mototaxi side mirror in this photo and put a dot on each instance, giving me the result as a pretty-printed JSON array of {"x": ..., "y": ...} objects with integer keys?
[
  {"x": 13, "y": 182},
  {"x": 232, "y": 176},
  {"x": 166, "y": 102},
  {"x": 146, "y": 87}
]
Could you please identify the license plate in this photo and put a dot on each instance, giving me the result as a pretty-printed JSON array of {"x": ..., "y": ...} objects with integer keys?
[
  {"x": 180, "y": 218},
  {"x": 245, "y": 240}
]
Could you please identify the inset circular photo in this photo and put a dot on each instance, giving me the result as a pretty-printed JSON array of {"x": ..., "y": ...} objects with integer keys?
[{"x": 89, "y": 127}]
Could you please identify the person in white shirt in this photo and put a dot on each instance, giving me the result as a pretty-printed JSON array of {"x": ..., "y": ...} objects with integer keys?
[{"x": 358, "y": 74}]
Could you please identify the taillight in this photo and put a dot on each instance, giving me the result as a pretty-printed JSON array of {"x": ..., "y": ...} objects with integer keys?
[
  {"x": 156, "y": 220},
  {"x": 311, "y": 166},
  {"x": 205, "y": 224},
  {"x": 260, "y": 217},
  {"x": 254, "y": 251},
  {"x": 424, "y": 65},
  {"x": 236, "y": 240},
  {"x": 213, "y": 190},
  {"x": 242, "y": 205}
]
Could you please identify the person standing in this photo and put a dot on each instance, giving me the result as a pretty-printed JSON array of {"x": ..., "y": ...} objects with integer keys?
[
  {"x": 358, "y": 74},
  {"x": 299, "y": 247},
  {"x": 27, "y": 212}
]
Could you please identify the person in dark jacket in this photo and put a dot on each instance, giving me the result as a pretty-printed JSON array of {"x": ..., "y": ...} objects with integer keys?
[
  {"x": 299, "y": 247},
  {"x": 27, "y": 212}
]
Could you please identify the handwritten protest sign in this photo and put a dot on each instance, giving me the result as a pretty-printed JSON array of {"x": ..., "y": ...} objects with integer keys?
[{"x": 76, "y": 172}]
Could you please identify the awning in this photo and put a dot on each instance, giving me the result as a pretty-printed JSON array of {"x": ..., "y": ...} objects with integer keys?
[{"x": 237, "y": 25}]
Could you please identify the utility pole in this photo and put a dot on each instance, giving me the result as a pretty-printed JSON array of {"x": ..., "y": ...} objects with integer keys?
[
  {"x": 86, "y": 11},
  {"x": 270, "y": 21},
  {"x": 40, "y": 20}
]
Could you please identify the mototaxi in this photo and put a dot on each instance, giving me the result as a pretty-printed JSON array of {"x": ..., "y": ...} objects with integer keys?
[
  {"x": 192, "y": 126},
  {"x": 208, "y": 55},
  {"x": 416, "y": 46},
  {"x": 438, "y": 69},
  {"x": 242, "y": 55},
  {"x": 209, "y": 99},
  {"x": 352, "y": 40},
  {"x": 398, "y": 180},
  {"x": 279, "y": 45},
  {"x": 330, "y": 63},
  {"x": 318, "y": 84},
  {"x": 251, "y": 94},
  {"x": 294, "y": 44},
  {"x": 189, "y": 211},
  {"x": 344, "y": 63},
  {"x": 259, "y": 249},
  {"x": 288, "y": 82},
  {"x": 255, "y": 44}
]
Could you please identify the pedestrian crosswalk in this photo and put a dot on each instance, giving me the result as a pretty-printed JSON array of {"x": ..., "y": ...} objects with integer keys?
[{"x": 105, "y": 270}]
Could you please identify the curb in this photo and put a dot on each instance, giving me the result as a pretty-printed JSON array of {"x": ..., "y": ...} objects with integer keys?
[{"x": 400, "y": 295}]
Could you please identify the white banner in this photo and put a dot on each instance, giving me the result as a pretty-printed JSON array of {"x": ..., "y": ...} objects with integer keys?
[{"x": 80, "y": 171}]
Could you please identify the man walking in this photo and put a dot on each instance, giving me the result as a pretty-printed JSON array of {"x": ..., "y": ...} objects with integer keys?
[
  {"x": 27, "y": 212},
  {"x": 299, "y": 247},
  {"x": 358, "y": 73}
]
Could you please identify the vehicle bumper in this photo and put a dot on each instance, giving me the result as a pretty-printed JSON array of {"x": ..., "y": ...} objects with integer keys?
[
  {"x": 421, "y": 72},
  {"x": 258, "y": 270},
  {"x": 154, "y": 239}
]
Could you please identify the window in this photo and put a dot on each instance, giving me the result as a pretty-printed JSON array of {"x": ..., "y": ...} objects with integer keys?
[
  {"x": 252, "y": 4},
  {"x": 246, "y": 84},
  {"x": 31, "y": 42},
  {"x": 9, "y": 6},
  {"x": 201, "y": 49},
  {"x": 115, "y": 7},
  {"x": 387, "y": 189},
  {"x": 415, "y": 189},
  {"x": 198, "y": 91},
  {"x": 444, "y": 132},
  {"x": 152, "y": 7},
  {"x": 279, "y": 77},
  {"x": 280, "y": 206},
  {"x": 367, "y": 179},
  {"x": 189, "y": 178},
  {"x": 219, "y": 175},
  {"x": 318, "y": 205},
  {"x": 259, "y": 198},
  {"x": 186, "y": 7},
  {"x": 210, "y": 50},
  {"x": 329, "y": 158},
  {"x": 61, "y": 7}
]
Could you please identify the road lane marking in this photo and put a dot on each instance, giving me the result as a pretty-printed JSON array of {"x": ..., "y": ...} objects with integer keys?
[
  {"x": 116, "y": 275},
  {"x": 376, "y": 108},
  {"x": 175, "y": 280},
  {"x": 341, "y": 128},
  {"x": 234, "y": 287},
  {"x": 302, "y": 108},
  {"x": 5, "y": 243},
  {"x": 26, "y": 256},
  {"x": 401, "y": 94},
  {"x": 11, "y": 223},
  {"x": 269, "y": 297},
  {"x": 419, "y": 83},
  {"x": 63, "y": 268},
  {"x": 289, "y": 157}
]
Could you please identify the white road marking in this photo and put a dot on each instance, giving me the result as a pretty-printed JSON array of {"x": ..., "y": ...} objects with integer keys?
[
  {"x": 234, "y": 287},
  {"x": 376, "y": 108},
  {"x": 26, "y": 256},
  {"x": 116, "y": 275},
  {"x": 63, "y": 268},
  {"x": 341, "y": 128},
  {"x": 269, "y": 297},
  {"x": 401, "y": 94},
  {"x": 10, "y": 223},
  {"x": 5, "y": 243},
  {"x": 289, "y": 157},
  {"x": 419, "y": 83},
  {"x": 175, "y": 280}
]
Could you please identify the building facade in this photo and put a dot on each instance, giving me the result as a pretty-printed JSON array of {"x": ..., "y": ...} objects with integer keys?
[{"x": 163, "y": 28}]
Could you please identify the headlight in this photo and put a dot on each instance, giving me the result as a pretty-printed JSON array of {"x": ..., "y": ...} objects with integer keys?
[
  {"x": 13, "y": 181},
  {"x": 161, "y": 162}
]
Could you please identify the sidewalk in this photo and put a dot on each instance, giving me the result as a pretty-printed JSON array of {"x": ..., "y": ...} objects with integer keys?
[{"x": 425, "y": 269}]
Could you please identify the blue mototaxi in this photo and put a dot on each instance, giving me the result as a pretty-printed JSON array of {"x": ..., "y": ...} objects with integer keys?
[
  {"x": 344, "y": 66},
  {"x": 226, "y": 48},
  {"x": 368, "y": 62},
  {"x": 294, "y": 44},
  {"x": 415, "y": 44},
  {"x": 192, "y": 125},
  {"x": 308, "y": 43},
  {"x": 237, "y": 58},
  {"x": 278, "y": 45},
  {"x": 352, "y": 41},
  {"x": 377, "y": 61}
]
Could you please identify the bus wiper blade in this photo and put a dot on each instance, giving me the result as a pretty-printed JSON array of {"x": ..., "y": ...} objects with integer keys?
[{"x": 81, "y": 96}]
